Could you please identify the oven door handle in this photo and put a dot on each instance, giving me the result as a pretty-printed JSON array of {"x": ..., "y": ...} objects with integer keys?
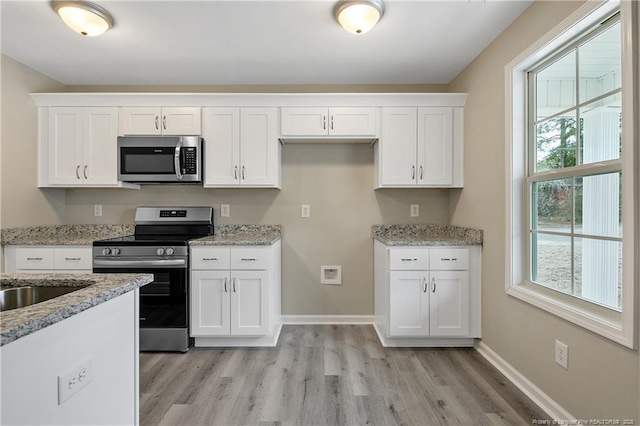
[{"x": 139, "y": 263}]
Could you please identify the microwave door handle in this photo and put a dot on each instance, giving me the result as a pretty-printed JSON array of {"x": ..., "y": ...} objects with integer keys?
[{"x": 177, "y": 161}]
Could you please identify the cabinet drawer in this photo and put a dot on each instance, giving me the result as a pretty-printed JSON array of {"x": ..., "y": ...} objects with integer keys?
[
  {"x": 73, "y": 258},
  {"x": 34, "y": 258},
  {"x": 249, "y": 258},
  {"x": 448, "y": 259},
  {"x": 210, "y": 258},
  {"x": 408, "y": 259}
]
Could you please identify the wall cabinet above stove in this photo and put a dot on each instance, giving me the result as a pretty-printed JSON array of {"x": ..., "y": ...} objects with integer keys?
[{"x": 178, "y": 121}]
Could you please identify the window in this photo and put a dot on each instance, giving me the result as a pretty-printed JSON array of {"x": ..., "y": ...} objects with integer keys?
[
  {"x": 572, "y": 219},
  {"x": 574, "y": 168}
]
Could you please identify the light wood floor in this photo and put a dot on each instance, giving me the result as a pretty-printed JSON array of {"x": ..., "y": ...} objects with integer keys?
[{"x": 328, "y": 375}]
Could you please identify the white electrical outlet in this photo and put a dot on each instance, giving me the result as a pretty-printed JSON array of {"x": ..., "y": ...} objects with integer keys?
[
  {"x": 562, "y": 355},
  {"x": 97, "y": 210},
  {"x": 73, "y": 381},
  {"x": 305, "y": 210},
  {"x": 224, "y": 210},
  {"x": 415, "y": 210},
  {"x": 331, "y": 274}
]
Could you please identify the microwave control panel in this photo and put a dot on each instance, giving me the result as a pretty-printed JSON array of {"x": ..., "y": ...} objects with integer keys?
[{"x": 190, "y": 165}]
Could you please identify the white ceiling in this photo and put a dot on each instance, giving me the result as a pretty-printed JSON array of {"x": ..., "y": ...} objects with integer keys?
[{"x": 255, "y": 42}]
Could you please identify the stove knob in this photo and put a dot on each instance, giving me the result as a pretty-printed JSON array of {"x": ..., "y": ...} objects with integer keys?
[
  {"x": 116, "y": 251},
  {"x": 160, "y": 251},
  {"x": 106, "y": 251},
  {"x": 170, "y": 251}
]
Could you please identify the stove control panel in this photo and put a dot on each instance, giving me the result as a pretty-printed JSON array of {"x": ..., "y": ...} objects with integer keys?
[{"x": 140, "y": 251}]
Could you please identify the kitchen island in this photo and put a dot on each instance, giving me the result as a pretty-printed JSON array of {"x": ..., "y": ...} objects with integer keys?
[{"x": 72, "y": 359}]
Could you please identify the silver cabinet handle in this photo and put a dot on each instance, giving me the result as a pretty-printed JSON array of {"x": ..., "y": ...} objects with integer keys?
[
  {"x": 233, "y": 282},
  {"x": 448, "y": 259},
  {"x": 243, "y": 173},
  {"x": 424, "y": 285},
  {"x": 413, "y": 172},
  {"x": 324, "y": 122},
  {"x": 73, "y": 259},
  {"x": 332, "y": 122},
  {"x": 408, "y": 260},
  {"x": 235, "y": 172},
  {"x": 34, "y": 258},
  {"x": 78, "y": 171},
  {"x": 420, "y": 172},
  {"x": 156, "y": 121},
  {"x": 248, "y": 259},
  {"x": 164, "y": 122},
  {"x": 209, "y": 258},
  {"x": 85, "y": 172},
  {"x": 225, "y": 285},
  {"x": 433, "y": 285}
]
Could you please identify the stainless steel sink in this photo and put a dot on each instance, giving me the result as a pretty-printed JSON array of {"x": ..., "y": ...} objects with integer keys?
[{"x": 19, "y": 297}]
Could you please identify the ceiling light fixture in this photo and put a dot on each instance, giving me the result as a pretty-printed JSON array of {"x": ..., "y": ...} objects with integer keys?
[
  {"x": 83, "y": 17},
  {"x": 358, "y": 16}
]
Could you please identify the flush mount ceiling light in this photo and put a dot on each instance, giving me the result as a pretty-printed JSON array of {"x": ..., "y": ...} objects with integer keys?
[
  {"x": 83, "y": 17},
  {"x": 358, "y": 16}
]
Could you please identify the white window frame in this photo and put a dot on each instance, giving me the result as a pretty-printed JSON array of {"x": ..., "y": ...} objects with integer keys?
[{"x": 617, "y": 326}]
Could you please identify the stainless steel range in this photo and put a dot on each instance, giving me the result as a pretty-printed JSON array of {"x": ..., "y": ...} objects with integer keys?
[{"x": 160, "y": 245}]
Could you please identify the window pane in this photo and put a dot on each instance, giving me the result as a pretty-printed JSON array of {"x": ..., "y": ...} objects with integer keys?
[
  {"x": 552, "y": 261},
  {"x": 552, "y": 205},
  {"x": 599, "y": 205},
  {"x": 555, "y": 87},
  {"x": 598, "y": 271},
  {"x": 556, "y": 143},
  {"x": 599, "y": 64},
  {"x": 601, "y": 130}
]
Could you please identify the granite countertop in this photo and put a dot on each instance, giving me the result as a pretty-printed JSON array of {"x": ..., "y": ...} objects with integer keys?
[
  {"x": 241, "y": 235},
  {"x": 95, "y": 289},
  {"x": 54, "y": 235},
  {"x": 427, "y": 235}
]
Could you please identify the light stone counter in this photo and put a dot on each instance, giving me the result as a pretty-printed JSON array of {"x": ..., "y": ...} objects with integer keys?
[
  {"x": 54, "y": 235},
  {"x": 241, "y": 235},
  {"x": 427, "y": 235},
  {"x": 95, "y": 289}
]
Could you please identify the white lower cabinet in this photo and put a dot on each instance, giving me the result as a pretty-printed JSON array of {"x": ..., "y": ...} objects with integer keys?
[
  {"x": 427, "y": 296},
  {"x": 235, "y": 296},
  {"x": 41, "y": 259}
]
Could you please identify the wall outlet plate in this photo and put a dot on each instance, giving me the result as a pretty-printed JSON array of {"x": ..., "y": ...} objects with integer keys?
[
  {"x": 331, "y": 274},
  {"x": 74, "y": 380},
  {"x": 97, "y": 210},
  {"x": 562, "y": 355},
  {"x": 415, "y": 210},
  {"x": 305, "y": 210},
  {"x": 224, "y": 210}
]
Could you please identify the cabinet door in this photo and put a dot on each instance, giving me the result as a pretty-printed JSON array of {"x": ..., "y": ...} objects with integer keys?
[
  {"x": 210, "y": 303},
  {"x": 140, "y": 121},
  {"x": 259, "y": 147},
  {"x": 449, "y": 303},
  {"x": 304, "y": 121},
  {"x": 181, "y": 121},
  {"x": 100, "y": 132},
  {"x": 352, "y": 122},
  {"x": 397, "y": 148},
  {"x": 409, "y": 304},
  {"x": 221, "y": 134},
  {"x": 65, "y": 146},
  {"x": 77, "y": 259},
  {"x": 249, "y": 303},
  {"x": 435, "y": 146}
]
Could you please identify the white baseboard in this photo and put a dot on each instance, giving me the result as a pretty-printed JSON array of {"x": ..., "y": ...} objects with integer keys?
[
  {"x": 544, "y": 401},
  {"x": 327, "y": 319}
]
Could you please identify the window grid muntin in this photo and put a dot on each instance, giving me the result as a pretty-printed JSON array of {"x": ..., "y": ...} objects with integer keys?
[{"x": 573, "y": 172}]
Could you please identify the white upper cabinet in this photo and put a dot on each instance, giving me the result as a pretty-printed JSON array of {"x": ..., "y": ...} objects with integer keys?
[
  {"x": 420, "y": 147},
  {"x": 241, "y": 147},
  {"x": 181, "y": 121},
  {"x": 305, "y": 122},
  {"x": 78, "y": 147}
]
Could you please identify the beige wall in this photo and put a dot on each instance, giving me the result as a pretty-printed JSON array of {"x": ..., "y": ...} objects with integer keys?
[
  {"x": 603, "y": 377},
  {"x": 337, "y": 181},
  {"x": 22, "y": 203}
]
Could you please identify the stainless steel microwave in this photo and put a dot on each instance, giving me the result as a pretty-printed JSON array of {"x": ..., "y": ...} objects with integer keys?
[{"x": 160, "y": 159}]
